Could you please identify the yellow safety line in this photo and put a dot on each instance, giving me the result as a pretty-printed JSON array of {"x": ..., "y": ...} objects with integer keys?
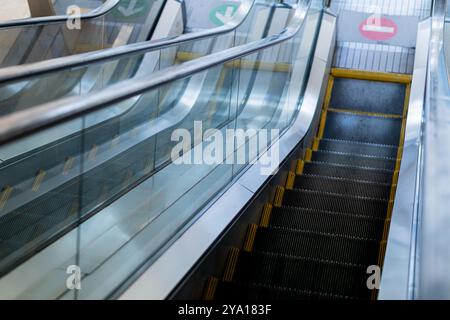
[
  {"x": 290, "y": 180},
  {"x": 300, "y": 167},
  {"x": 230, "y": 265},
  {"x": 68, "y": 165},
  {"x": 372, "y": 76},
  {"x": 326, "y": 105},
  {"x": 366, "y": 113},
  {"x": 279, "y": 193},
  {"x": 308, "y": 155},
  {"x": 316, "y": 144},
  {"x": 4, "y": 196},
  {"x": 265, "y": 217},
  {"x": 210, "y": 288},
  {"x": 250, "y": 238},
  {"x": 38, "y": 180}
]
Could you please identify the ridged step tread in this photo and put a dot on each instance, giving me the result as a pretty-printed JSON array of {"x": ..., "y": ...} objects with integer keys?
[
  {"x": 350, "y": 147},
  {"x": 334, "y": 202},
  {"x": 353, "y": 160},
  {"x": 343, "y": 186},
  {"x": 317, "y": 246},
  {"x": 348, "y": 172},
  {"x": 327, "y": 222},
  {"x": 251, "y": 291},
  {"x": 302, "y": 274}
]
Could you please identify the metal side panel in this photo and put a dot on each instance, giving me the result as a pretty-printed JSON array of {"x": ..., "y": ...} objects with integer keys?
[
  {"x": 163, "y": 276},
  {"x": 398, "y": 271}
]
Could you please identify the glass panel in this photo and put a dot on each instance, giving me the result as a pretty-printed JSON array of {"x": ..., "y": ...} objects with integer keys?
[
  {"x": 120, "y": 184},
  {"x": 27, "y": 44},
  {"x": 96, "y": 76}
]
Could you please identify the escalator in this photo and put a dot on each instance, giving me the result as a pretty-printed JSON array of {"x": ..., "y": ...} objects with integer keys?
[
  {"x": 110, "y": 196},
  {"x": 330, "y": 221},
  {"x": 110, "y": 25}
]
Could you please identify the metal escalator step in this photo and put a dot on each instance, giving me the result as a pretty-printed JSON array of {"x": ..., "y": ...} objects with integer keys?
[
  {"x": 302, "y": 274},
  {"x": 348, "y": 172},
  {"x": 349, "y": 147},
  {"x": 335, "y": 202},
  {"x": 319, "y": 246},
  {"x": 251, "y": 291},
  {"x": 327, "y": 222},
  {"x": 353, "y": 160},
  {"x": 343, "y": 186},
  {"x": 362, "y": 128}
]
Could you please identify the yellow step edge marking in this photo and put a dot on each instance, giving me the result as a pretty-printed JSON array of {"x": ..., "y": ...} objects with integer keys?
[
  {"x": 279, "y": 194},
  {"x": 265, "y": 217},
  {"x": 230, "y": 266},
  {"x": 68, "y": 165},
  {"x": 365, "y": 113},
  {"x": 290, "y": 180},
  {"x": 93, "y": 153},
  {"x": 323, "y": 121},
  {"x": 327, "y": 99},
  {"x": 316, "y": 144},
  {"x": 326, "y": 104},
  {"x": 250, "y": 238},
  {"x": 387, "y": 224},
  {"x": 402, "y": 133},
  {"x": 308, "y": 155},
  {"x": 38, "y": 180},
  {"x": 373, "y": 76},
  {"x": 382, "y": 253},
  {"x": 393, "y": 192},
  {"x": 395, "y": 177},
  {"x": 210, "y": 288},
  {"x": 4, "y": 196},
  {"x": 407, "y": 97},
  {"x": 300, "y": 167},
  {"x": 390, "y": 209},
  {"x": 400, "y": 153}
]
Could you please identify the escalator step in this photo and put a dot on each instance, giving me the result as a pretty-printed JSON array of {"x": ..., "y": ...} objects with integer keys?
[
  {"x": 302, "y": 274},
  {"x": 353, "y": 160},
  {"x": 349, "y": 147},
  {"x": 337, "y": 203},
  {"x": 317, "y": 246},
  {"x": 362, "y": 128},
  {"x": 250, "y": 291},
  {"x": 327, "y": 222},
  {"x": 343, "y": 186},
  {"x": 348, "y": 172}
]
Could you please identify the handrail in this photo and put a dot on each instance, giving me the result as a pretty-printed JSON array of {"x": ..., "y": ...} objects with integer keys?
[
  {"x": 28, "y": 121},
  {"x": 107, "y": 6},
  {"x": 19, "y": 72}
]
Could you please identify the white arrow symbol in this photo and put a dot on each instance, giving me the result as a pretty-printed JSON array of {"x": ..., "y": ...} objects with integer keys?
[
  {"x": 225, "y": 18},
  {"x": 130, "y": 10}
]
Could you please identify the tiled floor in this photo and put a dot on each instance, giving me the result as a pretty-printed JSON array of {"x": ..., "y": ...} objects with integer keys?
[{"x": 376, "y": 57}]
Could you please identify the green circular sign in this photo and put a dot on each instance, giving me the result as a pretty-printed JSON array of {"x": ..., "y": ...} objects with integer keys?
[
  {"x": 222, "y": 14},
  {"x": 129, "y": 10}
]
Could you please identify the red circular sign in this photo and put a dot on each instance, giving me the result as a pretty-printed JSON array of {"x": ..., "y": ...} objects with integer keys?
[{"x": 378, "y": 29}]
